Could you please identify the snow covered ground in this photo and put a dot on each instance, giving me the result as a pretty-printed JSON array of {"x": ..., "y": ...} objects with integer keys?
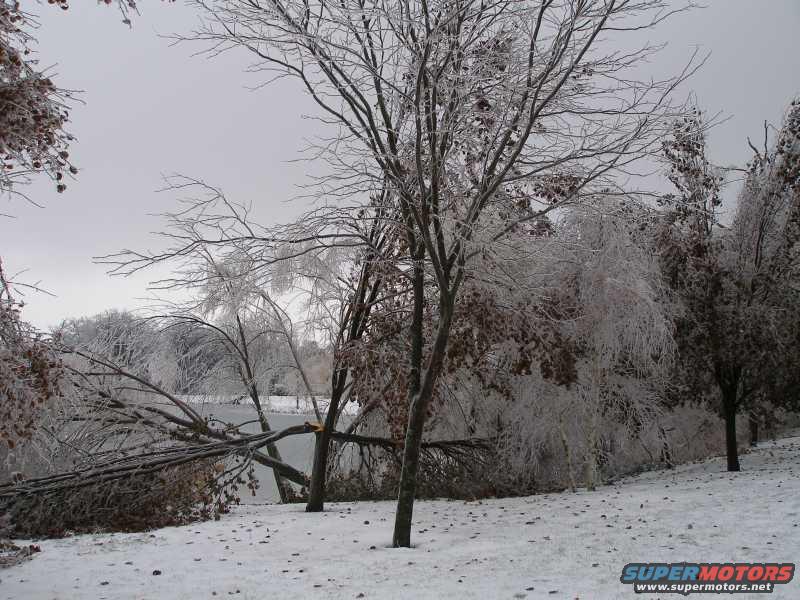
[{"x": 551, "y": 546}]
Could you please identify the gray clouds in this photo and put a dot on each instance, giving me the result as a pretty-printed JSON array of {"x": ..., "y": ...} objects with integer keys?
[{"x": 152, "y": 109}]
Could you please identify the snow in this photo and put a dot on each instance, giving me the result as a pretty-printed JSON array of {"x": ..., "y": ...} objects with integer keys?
[
  {"x": 550, "y": 546},
  {"x": 285, "y": 405}
]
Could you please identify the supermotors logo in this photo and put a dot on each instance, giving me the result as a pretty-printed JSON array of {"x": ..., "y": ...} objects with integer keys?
[{"x": 709, "y": 578}]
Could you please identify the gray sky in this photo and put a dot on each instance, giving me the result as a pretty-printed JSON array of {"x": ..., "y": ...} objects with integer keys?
[{"x": 152, "y": 109}]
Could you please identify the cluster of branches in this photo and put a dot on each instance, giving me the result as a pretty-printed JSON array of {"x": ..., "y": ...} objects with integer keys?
[
  {"x": 33, "y": 110},
  {"x": 120, "y": 396}
]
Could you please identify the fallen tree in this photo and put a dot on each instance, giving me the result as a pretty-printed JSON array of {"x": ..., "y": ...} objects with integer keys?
[
  {"x": 154, "y": 461},
  {"x": 170, "y": 485}
]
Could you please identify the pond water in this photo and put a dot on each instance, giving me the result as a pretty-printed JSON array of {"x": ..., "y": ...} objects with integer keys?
[{"x": 296, "y": 450}]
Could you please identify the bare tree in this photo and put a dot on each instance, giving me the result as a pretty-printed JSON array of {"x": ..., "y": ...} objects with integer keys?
[
  {"x": 327, "y": 266},
  {"x": 475, "y": 116}
]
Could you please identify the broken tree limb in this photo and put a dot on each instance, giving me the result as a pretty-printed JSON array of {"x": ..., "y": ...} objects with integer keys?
[
  {"x": 193, "y": 427},
  {"x": 386, "y": 443},
  {"x": 158, "y": 460}
]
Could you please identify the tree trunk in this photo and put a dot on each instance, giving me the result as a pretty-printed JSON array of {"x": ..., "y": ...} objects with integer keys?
[
  {"x": 408, "y": 477},
  {"x": 316, "y": 492},
  {"x": 666, "y": 453},
  {"x": 753, "y": 421},
  {"x": 729, "y": 413},
  {"x": 416, "y": 422},
  {"x": 567, "y": 453},
  {"x": 359, "y": 311},
  {"x": 273, "y": 452},
  {"x": 272, "y": 449},
  {"x": 249, "y": 380},
  {"x": 592, "y": 456}
]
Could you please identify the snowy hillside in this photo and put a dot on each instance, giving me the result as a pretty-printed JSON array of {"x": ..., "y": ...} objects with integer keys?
[{"x": 551, "y": 546}]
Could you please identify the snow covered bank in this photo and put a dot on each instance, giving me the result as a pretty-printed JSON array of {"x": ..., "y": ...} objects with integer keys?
[
  {"x": 286, "y": 405},
  {"x": 551, "y": 546}
]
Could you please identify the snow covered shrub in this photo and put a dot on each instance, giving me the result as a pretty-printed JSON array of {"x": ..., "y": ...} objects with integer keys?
[
  {"x": 540, "y": 441},
  {"x": 594, "y": 281}
]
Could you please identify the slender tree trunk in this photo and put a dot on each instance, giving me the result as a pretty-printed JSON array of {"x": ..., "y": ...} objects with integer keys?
[
  {"x": 753, "y": 422},
  {"x": 316, "y": 492},
  {"x": 418, "y": 407},
  {"x": 408, "y": 477},
  {"x": 729, "y": 413},
  {"x": 319, "y": 472},
  {"x": 273, "y": 452},
  {"x": 248, "y": 378},
  {"x": 666, "y": 453},
  {"x": 592, "y": 458},
  {"x": 567, "y": 453},
  {"x": 356, "y": 322},
  {"x": 272, "y": 448}
]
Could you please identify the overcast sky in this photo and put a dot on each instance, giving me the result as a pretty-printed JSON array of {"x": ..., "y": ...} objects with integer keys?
[{"x": 152, "y": 109}]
